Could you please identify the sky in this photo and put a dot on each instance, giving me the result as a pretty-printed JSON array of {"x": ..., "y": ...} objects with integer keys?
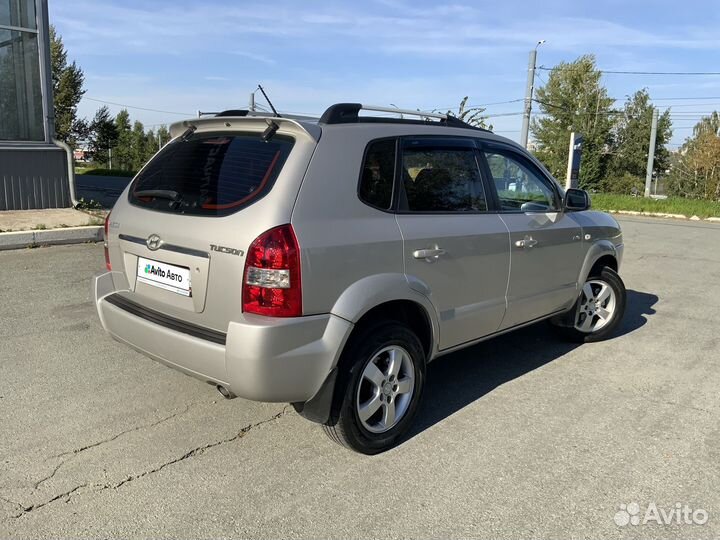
[{"x": 177, "y": 57}]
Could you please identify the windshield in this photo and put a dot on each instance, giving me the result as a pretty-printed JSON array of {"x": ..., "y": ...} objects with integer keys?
[{"x": 210, "y": 174}]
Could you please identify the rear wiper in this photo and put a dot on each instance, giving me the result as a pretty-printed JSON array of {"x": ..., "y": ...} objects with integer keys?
[
  {"x": 188, "y": 133},
  {"x": 158, "y": 194}
]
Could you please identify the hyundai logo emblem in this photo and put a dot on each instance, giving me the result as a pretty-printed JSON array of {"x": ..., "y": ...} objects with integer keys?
[{"x": 153, "y": 242}]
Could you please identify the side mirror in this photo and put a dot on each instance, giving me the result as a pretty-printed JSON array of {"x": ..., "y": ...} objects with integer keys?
[{"x": 576, "y": 200}]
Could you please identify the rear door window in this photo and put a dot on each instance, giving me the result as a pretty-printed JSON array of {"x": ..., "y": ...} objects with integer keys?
[
  {"x": 210, "y": 174},
  {"x": 441, "y": 175}
]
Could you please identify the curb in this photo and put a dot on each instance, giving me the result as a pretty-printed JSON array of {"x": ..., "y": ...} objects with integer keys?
[
  {"x": 661, "y": 215},
  {"x": 50, "y": 237}
]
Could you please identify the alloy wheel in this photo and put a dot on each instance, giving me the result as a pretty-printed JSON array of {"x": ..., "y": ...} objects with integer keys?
[
  {"x": 386, "y": 389},
  {"x": 597, "y": 306}
]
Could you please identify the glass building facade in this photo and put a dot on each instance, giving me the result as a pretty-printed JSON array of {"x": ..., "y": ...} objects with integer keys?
[{"x": 21, "y": 95}]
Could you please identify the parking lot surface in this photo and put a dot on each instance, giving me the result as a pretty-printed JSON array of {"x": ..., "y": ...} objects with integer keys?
[{"x": 523, "y": 435}]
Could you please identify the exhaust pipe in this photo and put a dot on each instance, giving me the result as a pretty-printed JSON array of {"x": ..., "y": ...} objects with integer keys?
[{"x": 227, "y": 394}]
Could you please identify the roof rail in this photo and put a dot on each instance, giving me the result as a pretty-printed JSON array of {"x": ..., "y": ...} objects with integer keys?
[{"x": 348, "y": 113}]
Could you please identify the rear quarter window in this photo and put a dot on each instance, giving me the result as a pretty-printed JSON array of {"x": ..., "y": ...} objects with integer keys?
[
  {"x": 211, "y": 174},
  {"x": 378, "y": 172}
]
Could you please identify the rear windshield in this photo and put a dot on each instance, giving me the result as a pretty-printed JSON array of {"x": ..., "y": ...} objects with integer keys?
[{"x": 210, "y": 174}]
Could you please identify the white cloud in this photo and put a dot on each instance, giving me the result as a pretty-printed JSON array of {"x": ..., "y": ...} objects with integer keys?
[
  {"x": 256, "y": 57},
  {"x": 388, "y": 26},
  {"x": 311, "y": 54}
]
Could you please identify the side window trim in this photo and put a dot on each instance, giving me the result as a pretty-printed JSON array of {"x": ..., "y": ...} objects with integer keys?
[
  {"x": 514, "y": 154},
  {"x": 488, "y": 182},
  {"x": 452, "y": 142}
]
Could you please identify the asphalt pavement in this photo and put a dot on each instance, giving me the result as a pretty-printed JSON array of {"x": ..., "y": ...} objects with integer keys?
[{"x": 521, "y": 436}]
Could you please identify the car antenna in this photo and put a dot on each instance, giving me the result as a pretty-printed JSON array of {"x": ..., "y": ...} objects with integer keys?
[{"x": 275, "y": 113}]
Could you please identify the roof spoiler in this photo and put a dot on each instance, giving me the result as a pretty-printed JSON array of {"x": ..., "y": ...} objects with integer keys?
[{"x": 253, "y": 121}]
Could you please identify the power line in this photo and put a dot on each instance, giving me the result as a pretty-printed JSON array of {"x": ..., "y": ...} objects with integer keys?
[
  {"x": 619, "y": 72},
  {"x": 542, "y": 80},
  {"x": 577, "y": 113},
  {"x": 684, "y": 98},
  {"x": 134, "y": 107},
  {"x": 693, "y": 105},
  {"x": 615, "y": 112},
  {"x": 477, "y": 105},
  {"x": 503, "y": 114}
]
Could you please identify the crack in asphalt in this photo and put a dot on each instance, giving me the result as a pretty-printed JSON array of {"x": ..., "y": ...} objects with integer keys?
[
  {"x": 102, "y": 487},
  {"x": 76, "y": 451},
  {"x": 14, "y": 503},
  {"x": 681, "y": 405},
  {"x": 197, "y": 451},
  {"x": 32, "y": 507}
]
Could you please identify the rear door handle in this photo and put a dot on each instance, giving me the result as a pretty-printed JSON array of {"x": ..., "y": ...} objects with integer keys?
[
  {"x": 430, "y": 255},
  {"x": 526, "y": 242}
]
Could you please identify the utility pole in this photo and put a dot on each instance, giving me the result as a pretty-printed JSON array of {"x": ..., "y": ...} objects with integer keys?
[
  {"x": 651, "y": 152},
  {"x": 528, "y": 95}
]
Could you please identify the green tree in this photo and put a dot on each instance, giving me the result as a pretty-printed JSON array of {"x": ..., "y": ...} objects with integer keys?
[
  {"x": 138, "y": 146},
  {"x": 163, "y": 135},
  {"x": 151, "y": 145},
  {"x": 696, "y": 170},
  {"x": 103, "y": 135},
  {"x": 470, "y": 115},
  {"x": 708, "y": 124},
  {"x": 68, "y": 80},
  {"x": 574, "y": 100},
  {"x": 632, "y": 139},
  {"x": 122, "y": 153}
]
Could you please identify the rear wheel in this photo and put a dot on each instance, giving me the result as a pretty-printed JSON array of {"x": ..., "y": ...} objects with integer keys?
[
  {"x": 379, "y": 386},
  {"x": 599, "y": 308}
]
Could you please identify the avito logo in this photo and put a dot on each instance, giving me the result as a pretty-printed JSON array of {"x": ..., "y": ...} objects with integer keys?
[
  {"x": 632, "y": 514},
  {"x": 154, "y": 270},
  {"x": 159, "y": 272}
]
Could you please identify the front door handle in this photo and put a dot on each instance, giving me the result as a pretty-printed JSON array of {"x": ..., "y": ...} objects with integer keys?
[
  {"x": 430, "y": 254},
  {"x": 526, "y": 242}
]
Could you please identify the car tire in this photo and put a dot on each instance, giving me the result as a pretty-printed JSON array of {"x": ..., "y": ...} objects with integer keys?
[
  {"x": 598, "y": 310},
  {"x": 379, "y": 387}
]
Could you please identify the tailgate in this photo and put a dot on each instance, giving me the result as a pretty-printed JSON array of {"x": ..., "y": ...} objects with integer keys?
[{"x": 182, "y": 229}]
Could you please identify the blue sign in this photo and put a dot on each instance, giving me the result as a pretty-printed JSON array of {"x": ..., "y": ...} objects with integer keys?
[{"x": 575, "y": 162}]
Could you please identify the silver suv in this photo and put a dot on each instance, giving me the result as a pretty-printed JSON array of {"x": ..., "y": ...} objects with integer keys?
[{"x": 324, "y": 262}]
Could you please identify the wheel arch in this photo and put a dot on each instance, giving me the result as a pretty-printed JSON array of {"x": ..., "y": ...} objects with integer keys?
[
  {"x": 390, "y": 296},
  {"x": 602, "y": 253}
]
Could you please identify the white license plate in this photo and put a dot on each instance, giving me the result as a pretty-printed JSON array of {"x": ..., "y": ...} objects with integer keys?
[{"x": 166, "y": 276}]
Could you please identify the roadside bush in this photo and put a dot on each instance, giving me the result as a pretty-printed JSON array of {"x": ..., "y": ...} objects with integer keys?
[
  {"x": 106, "y": 172},
  {"x": 627, "y": 184}
]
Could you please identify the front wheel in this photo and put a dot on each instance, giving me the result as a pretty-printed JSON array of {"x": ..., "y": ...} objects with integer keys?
[
  {"x": 599, "y": 309},
  {"x": 379, "y": 387}
]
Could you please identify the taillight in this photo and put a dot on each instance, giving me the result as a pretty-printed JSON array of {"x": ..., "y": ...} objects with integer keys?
[
  {"x": 271, "y": 284},
  {"x": 105, "y": 242}
]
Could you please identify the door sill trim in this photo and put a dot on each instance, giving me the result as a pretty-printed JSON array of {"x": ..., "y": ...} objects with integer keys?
[{"x": 495, "y": 334}]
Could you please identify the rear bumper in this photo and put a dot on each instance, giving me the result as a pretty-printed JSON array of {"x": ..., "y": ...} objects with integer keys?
[{"x": 262, "y": 358}]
